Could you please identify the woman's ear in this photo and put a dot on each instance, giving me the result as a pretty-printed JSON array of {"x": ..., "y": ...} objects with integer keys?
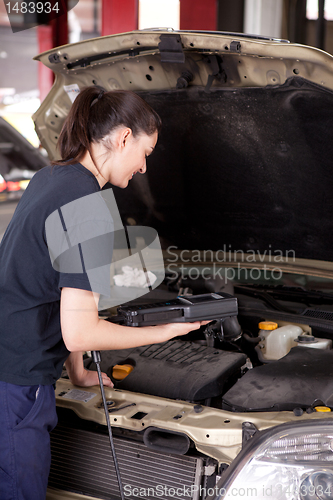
[
  {"x": 120, "y": 138},
  {"x": 125, "y": 136}
]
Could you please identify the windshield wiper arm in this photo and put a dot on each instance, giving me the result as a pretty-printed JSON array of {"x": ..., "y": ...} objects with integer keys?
[
  {"x": 296, "y": 294},
  {"x": 266, "y": 297}
]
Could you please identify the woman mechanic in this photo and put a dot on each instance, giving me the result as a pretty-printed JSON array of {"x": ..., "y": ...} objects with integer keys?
[{"x": 105, "y": 138}]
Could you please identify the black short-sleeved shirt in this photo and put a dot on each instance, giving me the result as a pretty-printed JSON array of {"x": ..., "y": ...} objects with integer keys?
[{"x": 31, "y": 347}]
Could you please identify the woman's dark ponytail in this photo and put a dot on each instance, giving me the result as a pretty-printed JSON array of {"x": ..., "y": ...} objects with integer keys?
[{"x": 93, "y": 116}]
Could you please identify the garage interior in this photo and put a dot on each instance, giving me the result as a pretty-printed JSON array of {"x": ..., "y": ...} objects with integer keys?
[{"x": 24, "y": 84}]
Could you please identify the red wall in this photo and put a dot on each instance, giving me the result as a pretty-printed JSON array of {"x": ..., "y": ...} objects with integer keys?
[
  {"x": 198, "y": 15},
  {"x": 119, "y": 16}
]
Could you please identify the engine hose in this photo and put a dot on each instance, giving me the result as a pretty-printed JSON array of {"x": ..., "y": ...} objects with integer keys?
[
  {"x": 261, "y": 357},
  {"x": 253, "y": 340}
]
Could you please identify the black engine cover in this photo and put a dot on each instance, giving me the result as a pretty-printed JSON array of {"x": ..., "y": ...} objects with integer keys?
[{"x": 175, "y": 369}]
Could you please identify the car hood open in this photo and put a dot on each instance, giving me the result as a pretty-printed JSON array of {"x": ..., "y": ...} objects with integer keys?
[{"x": 245, "y": 157}]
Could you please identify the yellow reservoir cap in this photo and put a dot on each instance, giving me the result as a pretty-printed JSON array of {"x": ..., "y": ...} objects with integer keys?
[
  {"x": 322, "y": 409},
  {"x": 268, "y": 325},
  {"x": 119, "y": 372}
]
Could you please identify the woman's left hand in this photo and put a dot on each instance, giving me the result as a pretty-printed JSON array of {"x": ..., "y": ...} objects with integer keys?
[
  {"x": 88, "y": 378},
  {"x": 80, "y": 376}
]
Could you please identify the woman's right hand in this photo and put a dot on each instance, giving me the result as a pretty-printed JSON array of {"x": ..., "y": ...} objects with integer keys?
[{"x": 171, "y": 330}]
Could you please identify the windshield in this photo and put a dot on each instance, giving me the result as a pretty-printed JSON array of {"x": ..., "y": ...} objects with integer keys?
[{"x": 256, "y": 276}]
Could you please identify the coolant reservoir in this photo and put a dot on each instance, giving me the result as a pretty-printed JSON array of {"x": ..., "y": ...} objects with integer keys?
[
  {"x": 316, "y": 343},
  {"x": 277, "y": 342}
]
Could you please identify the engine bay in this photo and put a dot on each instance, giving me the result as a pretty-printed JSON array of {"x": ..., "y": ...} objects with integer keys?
[{"x": 275, "y": 357}]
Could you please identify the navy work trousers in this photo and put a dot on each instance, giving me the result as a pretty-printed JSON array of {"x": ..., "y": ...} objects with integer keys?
[{"x": 27, "y": 415}]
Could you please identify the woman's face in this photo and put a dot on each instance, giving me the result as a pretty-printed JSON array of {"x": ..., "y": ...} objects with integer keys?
[{"x": 128, "y": 156}]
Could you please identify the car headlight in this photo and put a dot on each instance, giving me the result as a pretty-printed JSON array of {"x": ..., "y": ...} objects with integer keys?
[{"x": 287, "y": 462}]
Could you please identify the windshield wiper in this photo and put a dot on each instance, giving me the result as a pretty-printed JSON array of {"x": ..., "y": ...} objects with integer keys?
[
  {"x": 263, "y": 295},
  {"x": 294, "y": 294}
]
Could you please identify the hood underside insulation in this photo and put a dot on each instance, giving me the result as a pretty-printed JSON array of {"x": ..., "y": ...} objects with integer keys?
[{"x": 250, "y": 168}]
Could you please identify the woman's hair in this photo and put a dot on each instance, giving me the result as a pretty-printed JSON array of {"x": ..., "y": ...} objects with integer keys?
[{"x": 95, "y": 113}]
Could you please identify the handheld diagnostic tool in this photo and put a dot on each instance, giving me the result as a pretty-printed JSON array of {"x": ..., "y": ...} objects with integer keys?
[{"x": 208, "y": 306}]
